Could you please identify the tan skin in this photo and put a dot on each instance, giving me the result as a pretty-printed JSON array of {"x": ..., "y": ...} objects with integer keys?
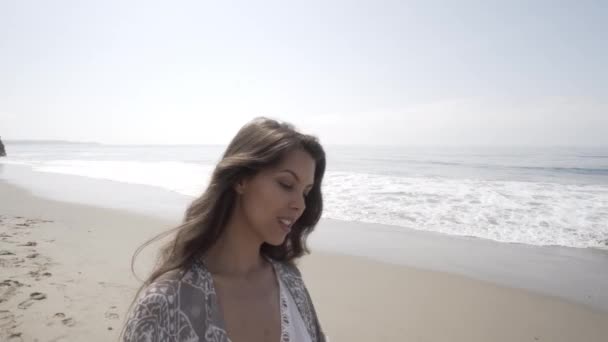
[{"x": 247, "y": 288}]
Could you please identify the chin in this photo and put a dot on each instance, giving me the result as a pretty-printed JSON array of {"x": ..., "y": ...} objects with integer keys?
[{"x": 276, "y": 241}]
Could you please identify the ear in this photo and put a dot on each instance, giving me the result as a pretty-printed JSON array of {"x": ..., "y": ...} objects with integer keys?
[{"x": 240, "y": 186}]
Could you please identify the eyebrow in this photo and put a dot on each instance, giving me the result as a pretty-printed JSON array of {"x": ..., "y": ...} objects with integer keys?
[{"x": 295, "y": 175}]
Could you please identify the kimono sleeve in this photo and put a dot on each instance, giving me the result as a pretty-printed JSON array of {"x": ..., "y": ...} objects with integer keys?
[
  {"x": 147, "y": 319},
  {"x": 157, "y": 316}
]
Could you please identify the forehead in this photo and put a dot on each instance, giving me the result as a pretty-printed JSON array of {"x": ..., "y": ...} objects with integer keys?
[{"x": 299, "y": 161}]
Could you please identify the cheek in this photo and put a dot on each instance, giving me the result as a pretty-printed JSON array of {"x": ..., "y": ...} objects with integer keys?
[{"x": 264, "y": 204}]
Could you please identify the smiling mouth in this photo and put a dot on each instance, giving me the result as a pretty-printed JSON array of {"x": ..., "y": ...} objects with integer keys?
[{"x": 285, "y": 224}]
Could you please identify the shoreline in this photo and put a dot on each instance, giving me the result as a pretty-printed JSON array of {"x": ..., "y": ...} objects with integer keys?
[
  {"x": 42, "y": 183},
  {"x": 574, "y": 274}
]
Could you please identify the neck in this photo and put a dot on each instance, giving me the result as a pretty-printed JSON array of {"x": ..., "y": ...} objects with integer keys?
[{"x": 237, "y": 251}]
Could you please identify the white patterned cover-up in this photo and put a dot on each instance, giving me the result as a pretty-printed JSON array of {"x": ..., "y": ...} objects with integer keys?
[{"x": 183, "y": 306}]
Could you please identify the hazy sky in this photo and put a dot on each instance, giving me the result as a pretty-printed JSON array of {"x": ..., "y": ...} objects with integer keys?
[{"x": 351, "y": 72}]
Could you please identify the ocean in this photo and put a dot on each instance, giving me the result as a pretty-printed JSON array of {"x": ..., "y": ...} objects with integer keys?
[{"x": 536, "y": 196}]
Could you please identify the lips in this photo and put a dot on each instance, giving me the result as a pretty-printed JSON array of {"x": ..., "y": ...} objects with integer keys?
[{"x": 285, "y": 223}]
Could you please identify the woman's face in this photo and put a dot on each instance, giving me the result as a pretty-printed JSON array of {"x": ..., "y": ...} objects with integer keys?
[{"x": 273, "y": 199}]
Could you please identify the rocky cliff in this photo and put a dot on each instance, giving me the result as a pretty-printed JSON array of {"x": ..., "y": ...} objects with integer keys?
[{"x": 2, "y": 151}]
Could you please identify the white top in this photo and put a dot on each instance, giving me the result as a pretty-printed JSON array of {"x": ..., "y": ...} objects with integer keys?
[{"x": 291, "y": 320}]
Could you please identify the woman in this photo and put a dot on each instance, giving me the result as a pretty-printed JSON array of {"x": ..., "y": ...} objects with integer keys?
[{"x": 229, "y": 273}]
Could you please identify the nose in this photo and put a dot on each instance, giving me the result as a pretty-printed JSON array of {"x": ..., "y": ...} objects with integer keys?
[{"x": 298, "y": 203}]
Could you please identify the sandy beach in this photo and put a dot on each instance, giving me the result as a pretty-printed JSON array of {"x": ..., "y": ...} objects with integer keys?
[
  {"x": 66, "y": 277},
  {"x": 453, "y": 159}
]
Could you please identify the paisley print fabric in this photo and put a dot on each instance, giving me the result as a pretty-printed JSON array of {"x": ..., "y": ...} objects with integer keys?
[{"x": 183, "y": 306}]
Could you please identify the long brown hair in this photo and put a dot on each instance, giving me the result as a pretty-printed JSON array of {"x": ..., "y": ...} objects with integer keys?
[{"x": 259, "y": 144}]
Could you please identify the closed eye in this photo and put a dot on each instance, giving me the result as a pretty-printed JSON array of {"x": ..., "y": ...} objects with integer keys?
[
  {"x": 286, "y": 186},
  {"x": 290, "y": 187}
]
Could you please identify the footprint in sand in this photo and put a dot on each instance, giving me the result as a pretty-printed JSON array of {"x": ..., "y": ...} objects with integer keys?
[
  {"x": 8, "y": 288},
  {"x": 15, "y": 337},
  {"x": 112, "y": 315},
  {"x": 10, "y": 282},
  {"x": 37, "y": 274},
  {"x": 70, "y": 322},
  {"x": 7, "y": 324},
  {"x": 34, "y": 296},
  {"x": 7, "y": 320},
  {"x": 37, "y": 295}
]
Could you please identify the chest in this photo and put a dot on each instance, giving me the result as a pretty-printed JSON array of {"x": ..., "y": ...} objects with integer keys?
[{"x": 251, "y": 311}]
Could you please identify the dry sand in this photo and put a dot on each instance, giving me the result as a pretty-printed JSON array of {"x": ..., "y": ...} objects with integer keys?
[{"x": 65, "y": 276}]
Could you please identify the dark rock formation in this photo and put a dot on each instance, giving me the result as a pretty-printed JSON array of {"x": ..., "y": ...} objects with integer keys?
[{"x": 2, "y": 151}]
